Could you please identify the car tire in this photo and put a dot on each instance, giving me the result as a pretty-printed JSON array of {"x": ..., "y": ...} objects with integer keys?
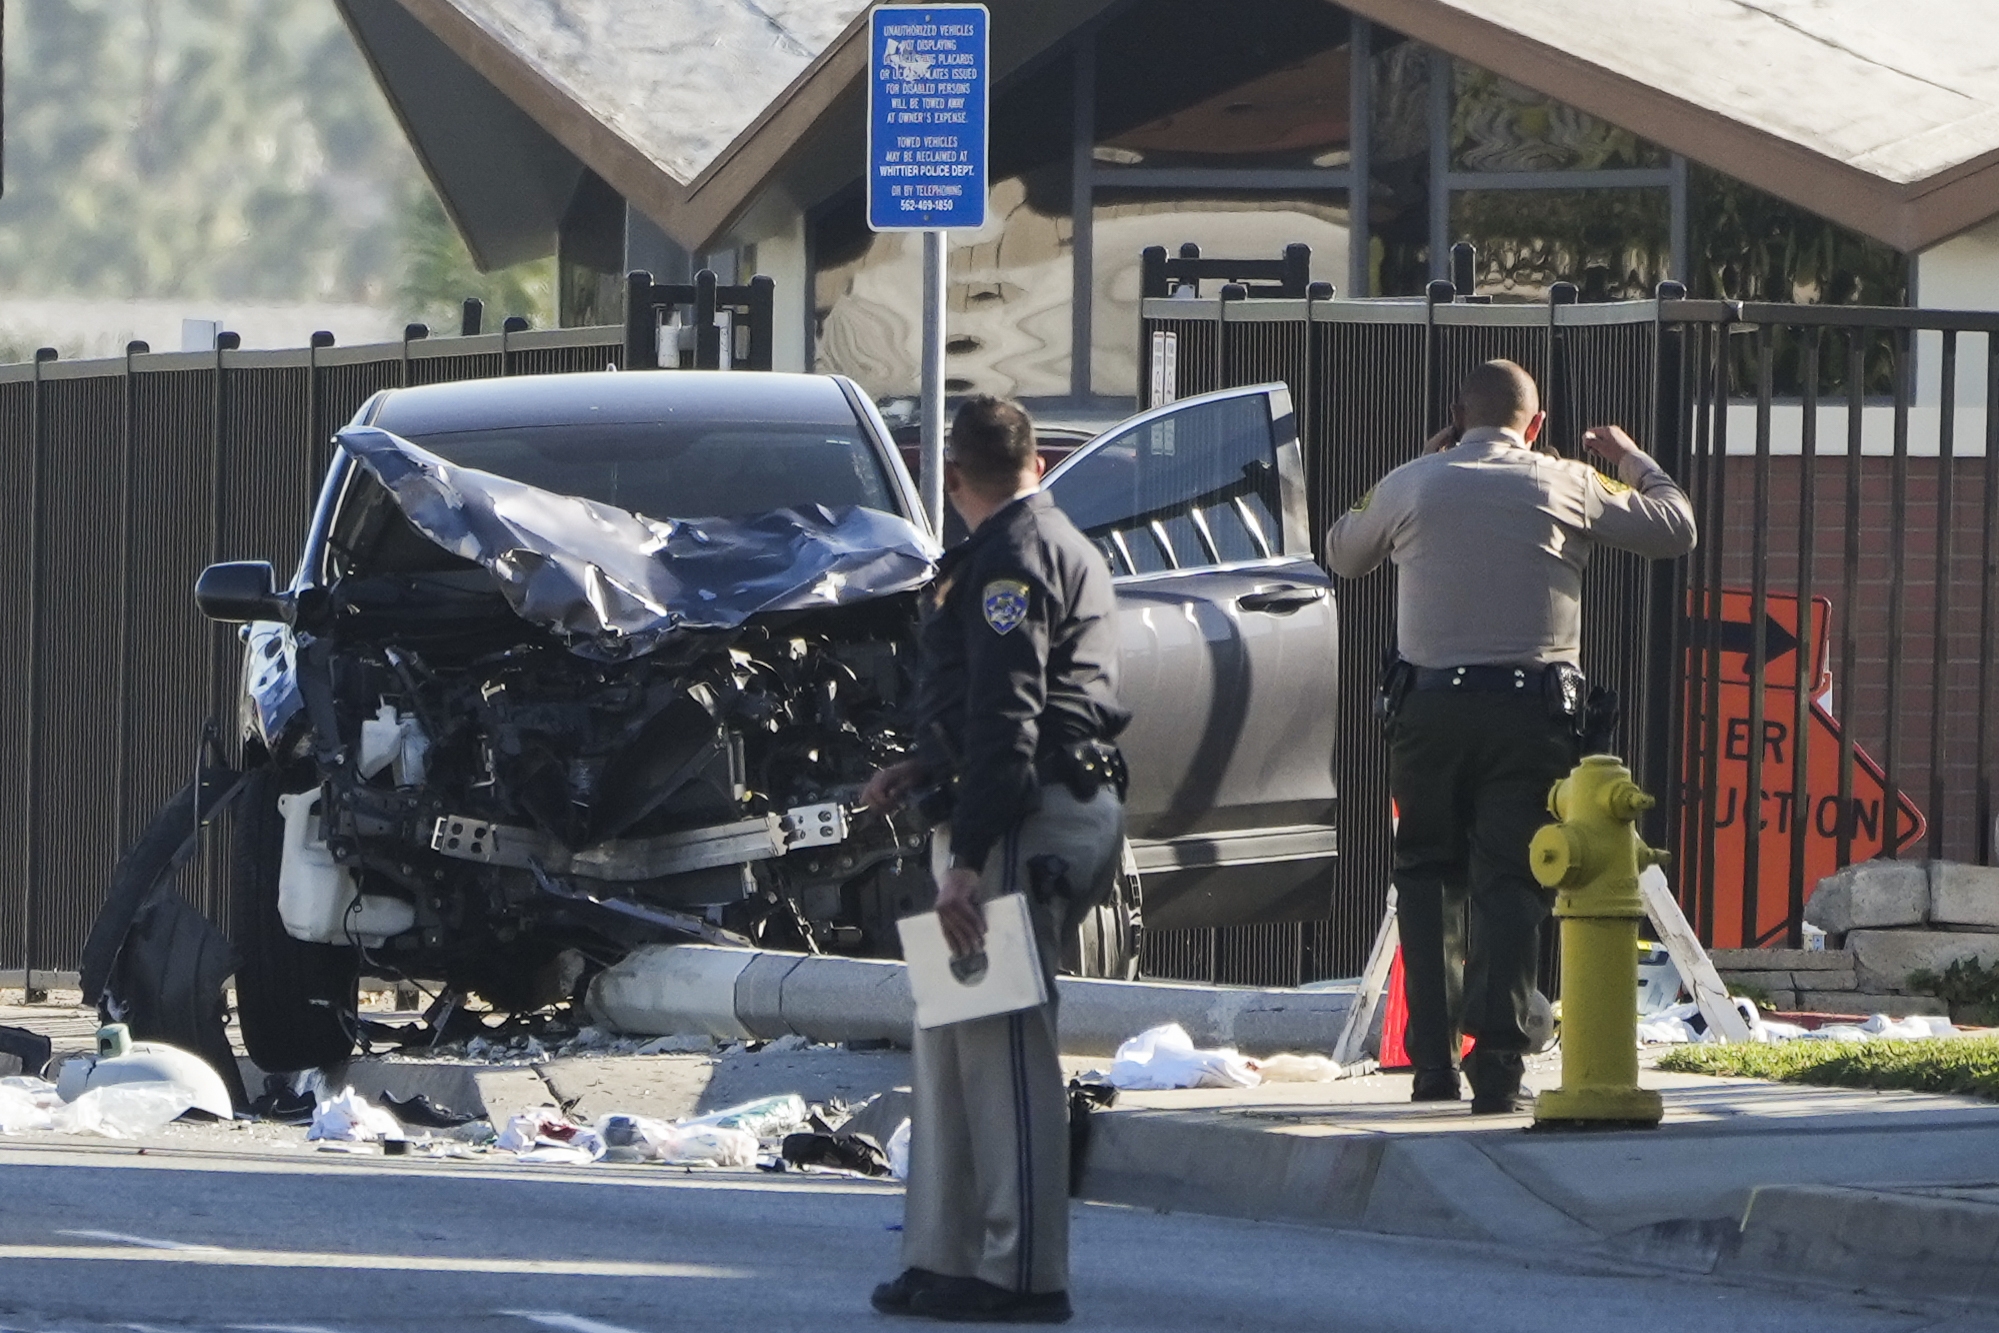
[
  {"x": 1106, "y": 943},
  {"x": 296, "y": 1001}
]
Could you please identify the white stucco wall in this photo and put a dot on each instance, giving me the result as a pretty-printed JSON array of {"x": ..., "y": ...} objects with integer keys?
[{"x": 776, "y": 227}]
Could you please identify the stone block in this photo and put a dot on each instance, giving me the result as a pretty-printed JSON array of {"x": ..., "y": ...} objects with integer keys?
[
  {"x": 1895, "y": 1006},
  {"x": 1870, "y": 895},
  {"x": 1847, "y": 979},
  {"x": 1884, "y": 959},
  {"x": 1786, "y": 1000},
  {"x": 1781, "y": 960},
  {"x": 1962, "y": 895}
]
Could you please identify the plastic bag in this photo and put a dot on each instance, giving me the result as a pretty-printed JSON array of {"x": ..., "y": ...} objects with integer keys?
[
  {"x": 122, "y": 1110},
  {"x": 347, "y": 1118},
  {"x": 898, "y": 1152},
  {"x": 1297, "y": 1069},
  {"x": 691, "y": 1143},
  {"x": 1165, "y": 1057},
  {"x": 765, "y": 1118},
  {"x": 19, "y": 1112}
]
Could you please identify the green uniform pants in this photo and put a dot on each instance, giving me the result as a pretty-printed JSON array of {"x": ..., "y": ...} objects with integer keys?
[
  {"x": 988, "y": 1193},
  {"x": 1470, "y": 774}
]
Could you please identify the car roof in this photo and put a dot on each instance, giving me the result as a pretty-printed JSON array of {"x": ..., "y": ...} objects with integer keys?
[{"x": 601, "y": 397}]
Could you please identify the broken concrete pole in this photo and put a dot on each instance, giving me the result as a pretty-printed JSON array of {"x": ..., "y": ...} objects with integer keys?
[
  {"x": 1869, "y": 895},
  {"x": 1883, "y": 959},
  {"x": 1962, "y": 895},
  {"x": 750, "y": 993}
]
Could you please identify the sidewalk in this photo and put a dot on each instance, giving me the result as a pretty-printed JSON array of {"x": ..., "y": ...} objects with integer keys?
[{"x": 1890, "y": 1190}]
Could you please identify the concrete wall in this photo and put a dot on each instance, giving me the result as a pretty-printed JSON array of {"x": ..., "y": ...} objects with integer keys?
[{"x": 776, "y": 227}]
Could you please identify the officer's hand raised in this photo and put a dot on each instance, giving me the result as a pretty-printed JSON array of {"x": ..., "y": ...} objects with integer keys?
[
  {"x": 959, "y": 913},
  {"x": 1442, "y": 440},
  {"x": 1610, "y": 443}
]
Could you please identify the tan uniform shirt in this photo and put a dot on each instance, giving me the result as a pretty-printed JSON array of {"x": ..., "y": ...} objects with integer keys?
[{"x": 1491, "y": 538}]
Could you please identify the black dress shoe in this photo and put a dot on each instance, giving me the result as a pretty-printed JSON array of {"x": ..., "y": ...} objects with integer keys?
[
  {"x": 895, "y": 1295},
  {"x": 1435, "y": 1085},
  {"x": 974, "y": 1301}
]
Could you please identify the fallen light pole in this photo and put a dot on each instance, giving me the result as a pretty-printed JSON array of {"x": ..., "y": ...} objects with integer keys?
[
  {"x": 1593, "y": 856},
  {"x": 754, "y": 994}
]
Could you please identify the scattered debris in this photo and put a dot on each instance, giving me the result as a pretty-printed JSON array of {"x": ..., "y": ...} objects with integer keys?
[
  {"x": 767, "y": 1118},
  {"x": 1298, "y": 1069},
  {"x": 1684, "y": 1023},
  {"x": 546, "y": 1135},
  {"x": 898, "y": 1152},
  {"x": 121, "y": 1060},
  {"x": 421, "y": 1111},
  {"x": 1165, "y": 1057},
  {"x": 641, "y": 1139},
  {"x": 28, "y": 1050},
  {"x": 680, "y": 1043},
  {"x": 835, "y": 1151},
  {"x": 349, "y": 1118}
]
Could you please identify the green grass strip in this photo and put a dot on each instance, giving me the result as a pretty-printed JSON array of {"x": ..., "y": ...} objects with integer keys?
[{"x": 1968, "y": 1066}]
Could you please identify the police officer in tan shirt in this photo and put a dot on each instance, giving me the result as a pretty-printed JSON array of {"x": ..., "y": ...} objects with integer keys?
[{"x": 1490, "y": 538}]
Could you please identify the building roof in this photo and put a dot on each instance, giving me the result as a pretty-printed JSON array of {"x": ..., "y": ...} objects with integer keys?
[{"x": 1881, "y": 116}]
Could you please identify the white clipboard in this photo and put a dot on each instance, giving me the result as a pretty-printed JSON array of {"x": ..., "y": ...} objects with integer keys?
[{"x": 1003, "y": 978}]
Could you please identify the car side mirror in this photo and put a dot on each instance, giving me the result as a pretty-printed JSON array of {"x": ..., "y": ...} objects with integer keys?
[{"x": 241, "y": 591}]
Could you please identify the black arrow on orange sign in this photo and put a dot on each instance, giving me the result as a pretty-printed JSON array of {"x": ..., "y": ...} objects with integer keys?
[{"x": 1739, "y": 636}]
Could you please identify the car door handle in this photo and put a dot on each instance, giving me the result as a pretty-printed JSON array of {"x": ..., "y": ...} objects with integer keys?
[{"x": 1280, "y": 601}]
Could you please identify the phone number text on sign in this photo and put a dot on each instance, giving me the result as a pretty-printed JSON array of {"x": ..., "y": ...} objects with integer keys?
[{"x": 927, "y": 118}]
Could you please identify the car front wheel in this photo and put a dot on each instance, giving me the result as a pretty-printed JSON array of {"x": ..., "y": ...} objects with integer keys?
[
  {"x": 295, "y": 1000},
  {"x": 1107, "y": 941}
]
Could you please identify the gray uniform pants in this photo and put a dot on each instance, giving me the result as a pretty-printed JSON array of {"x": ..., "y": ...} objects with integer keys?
[{"x": 988, "y": 1189}]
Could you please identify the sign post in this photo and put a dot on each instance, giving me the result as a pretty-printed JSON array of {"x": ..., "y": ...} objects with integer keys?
[{"x": 927, "y": 137}]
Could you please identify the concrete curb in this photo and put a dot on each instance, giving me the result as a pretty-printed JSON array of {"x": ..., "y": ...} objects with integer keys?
[
  {"x": 1921, "y": 1243},
  {"x": 737, "y": 993}
]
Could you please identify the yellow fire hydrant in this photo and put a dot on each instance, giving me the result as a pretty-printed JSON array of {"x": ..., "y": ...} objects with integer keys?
[{"x": 1593, "y": 857}]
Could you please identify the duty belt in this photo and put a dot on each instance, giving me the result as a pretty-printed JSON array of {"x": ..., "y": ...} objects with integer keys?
[
  {"x": 1524, "y": 680},
  {"x": 1084, "y": 767}
]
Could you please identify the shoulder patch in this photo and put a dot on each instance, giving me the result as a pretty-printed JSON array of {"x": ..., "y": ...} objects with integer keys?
[
  {"x": 1611, "y": 484},
  {"x": 1361, "y": 504},
  {"x": 1005, "y": 604}
]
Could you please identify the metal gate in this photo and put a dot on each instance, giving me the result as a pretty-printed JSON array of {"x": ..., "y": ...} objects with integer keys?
[{"x": 1892, "y": 513}]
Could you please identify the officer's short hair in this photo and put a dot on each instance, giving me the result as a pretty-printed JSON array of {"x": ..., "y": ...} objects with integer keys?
[
  {"x": 1498, "y": 393},
  {"x": 992, "y": 440}
]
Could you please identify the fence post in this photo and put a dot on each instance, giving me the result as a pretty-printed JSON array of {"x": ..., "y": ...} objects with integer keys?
[
  {"x": 1666, "y": 598},
  {"x": 707, "y": 338},
  {"x": 122, "y": 683},
  {"x": 472, "y": 317},
  {"x": 38, "y": 431},
  {"x": 1437, "y": 293},
  {"x": 763, "y": 306},
  {"x": 1464, "y": 268},
  {"x": 411, "y": 333},
  {"x": 509, "y": 326},
  {"x": 1231, "y": 292},
  {"x": 641, "y": 323}
]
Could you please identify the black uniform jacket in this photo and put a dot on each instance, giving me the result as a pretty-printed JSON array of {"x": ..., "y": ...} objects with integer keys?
[{"x": 1017, "y": 659}]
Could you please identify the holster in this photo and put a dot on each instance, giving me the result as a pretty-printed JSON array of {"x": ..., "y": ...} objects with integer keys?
[
  {"x": 1085, "y": 768},
  {"x": 1596, "y": 729},
  {"x": 1397, "y": 679}
]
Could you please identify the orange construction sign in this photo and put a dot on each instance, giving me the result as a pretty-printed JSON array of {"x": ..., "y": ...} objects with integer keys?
[{"x": 1776, "y": 812}]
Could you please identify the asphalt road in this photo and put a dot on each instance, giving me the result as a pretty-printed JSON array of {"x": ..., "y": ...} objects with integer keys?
[{"x": 107, "y": 1238}]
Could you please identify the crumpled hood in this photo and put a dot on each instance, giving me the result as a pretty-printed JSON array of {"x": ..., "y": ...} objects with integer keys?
[{"x": 613, "y": 584}]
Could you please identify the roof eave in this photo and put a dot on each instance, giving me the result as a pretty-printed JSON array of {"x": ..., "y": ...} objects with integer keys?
[{"x": 1907, "y": 216}]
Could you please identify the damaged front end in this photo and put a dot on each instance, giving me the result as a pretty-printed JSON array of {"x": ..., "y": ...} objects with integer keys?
[{"x": 495, "y": 736}]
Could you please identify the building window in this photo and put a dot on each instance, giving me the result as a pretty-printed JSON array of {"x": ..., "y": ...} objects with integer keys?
[
  {"x": 1613, "y": 244},
  {"x": 1235, "y": 224},
  {"x": 1497, "y": 125},
  {"x": 1007, "y": 297}
]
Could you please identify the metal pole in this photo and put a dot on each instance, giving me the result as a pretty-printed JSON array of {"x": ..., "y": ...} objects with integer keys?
[{"x": 933, "y": 379}]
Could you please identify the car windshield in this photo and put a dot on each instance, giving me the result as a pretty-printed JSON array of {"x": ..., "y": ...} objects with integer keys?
[{"x": 681, "y": 470}]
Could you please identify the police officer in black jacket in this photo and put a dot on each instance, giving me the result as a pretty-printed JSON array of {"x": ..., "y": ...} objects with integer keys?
[{"x": 1016, "y": 710}]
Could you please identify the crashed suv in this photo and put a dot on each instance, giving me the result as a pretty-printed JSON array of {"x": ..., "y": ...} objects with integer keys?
[{"x": 529, "y": 703}]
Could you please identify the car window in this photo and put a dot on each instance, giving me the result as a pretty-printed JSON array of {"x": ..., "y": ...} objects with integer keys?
[
  {"x": 674, "y": 470},
  {"x": 1196, "y": 487}
]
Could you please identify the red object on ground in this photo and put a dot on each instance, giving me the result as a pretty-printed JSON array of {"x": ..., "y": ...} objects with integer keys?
[{"x": 1395, "y": 1021}]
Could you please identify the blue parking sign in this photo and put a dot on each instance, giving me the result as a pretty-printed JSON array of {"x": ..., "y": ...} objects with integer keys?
[{"x": 927, "y": 117}]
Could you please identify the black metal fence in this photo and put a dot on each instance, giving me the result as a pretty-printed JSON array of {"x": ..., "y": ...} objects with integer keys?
[
  {"x": 1829, "y": 646},
  {"x": 128, "y": 477}
]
